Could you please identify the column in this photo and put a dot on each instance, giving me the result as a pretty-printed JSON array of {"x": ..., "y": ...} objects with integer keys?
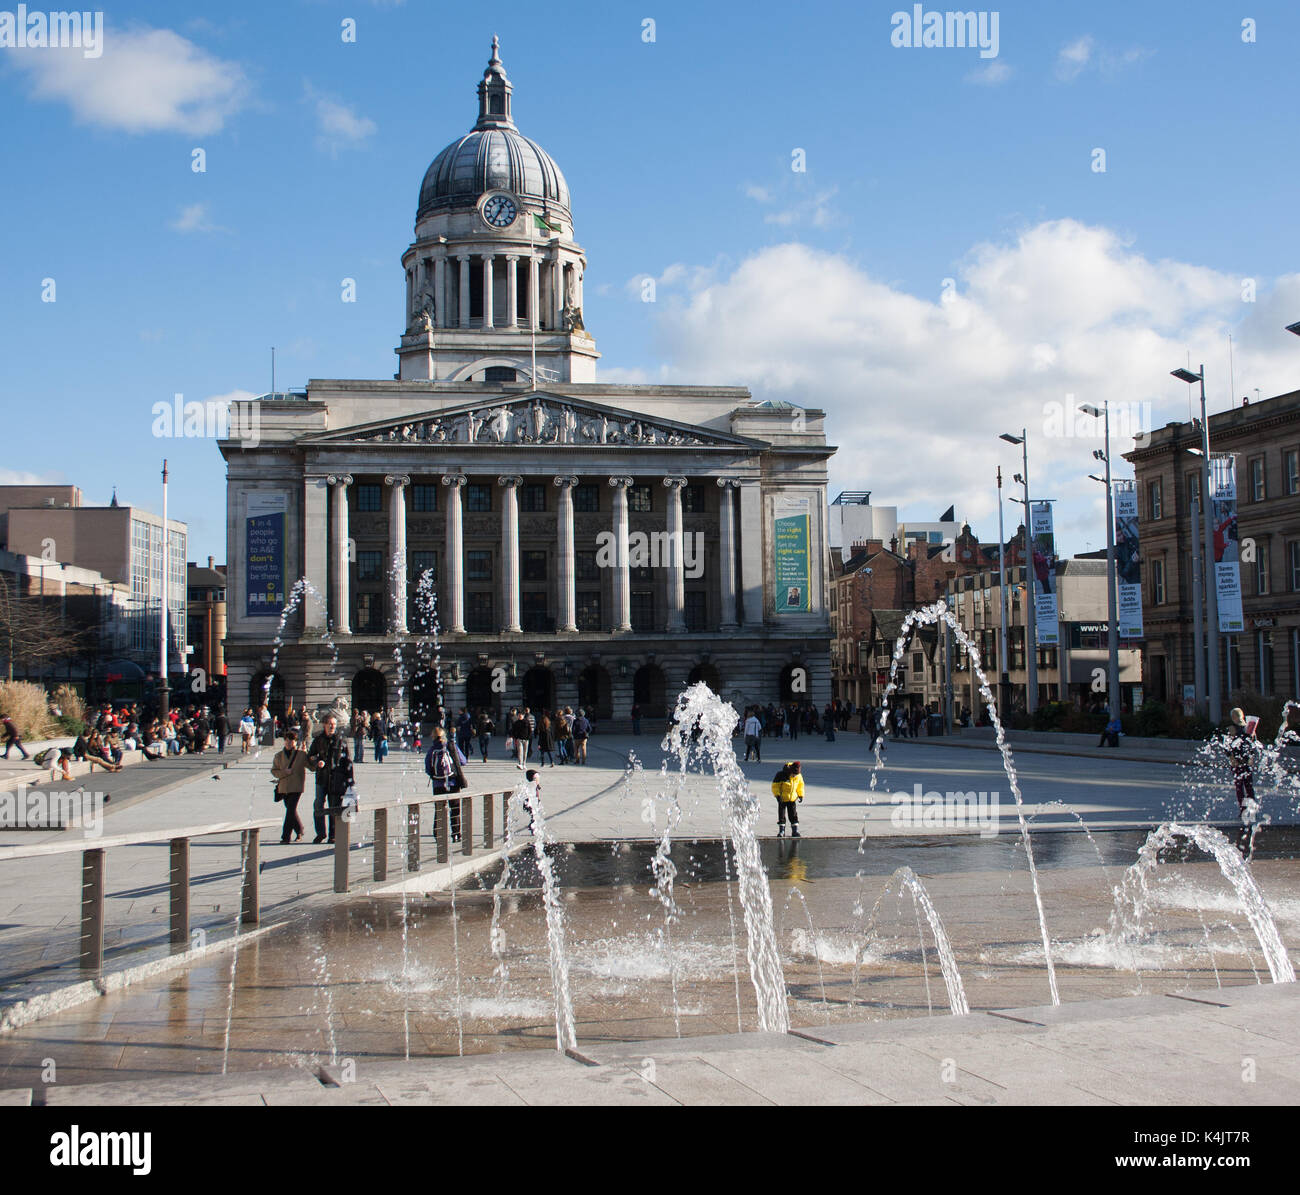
[
  {"x": 488, "y": 260},
  {"x": 397, "y": 582},
  {"x": 510, "y": 552},
  {"x": 315, "y": 554},
  {"x": 622, "y": 586},
  {"x": 452, "y": 615},
  {"x": 567, "y": 604},
  {"x": 534, "y": 285},
  {"x": 512, "y": 290},
  {"x": 557, "y": 298},
  {"x": 440, "y": 292},
  {"x": 727, "y": 551},
  {"x": 751, "y": 555},
  {"x": 340, "y": 551},
  {"x": 463, "y": 259},
  {"x": 676, "y": 572}
]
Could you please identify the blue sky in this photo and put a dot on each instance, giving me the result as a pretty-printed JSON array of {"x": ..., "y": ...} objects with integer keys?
[{"x": 826, "y": 287}]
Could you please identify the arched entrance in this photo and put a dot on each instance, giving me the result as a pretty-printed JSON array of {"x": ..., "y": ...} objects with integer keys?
[
  {"x": 369, "y": 691},
  {"x": 794, "y": 683},
  {"x": 539, "y": 689},
  {"x": 708, "y": 674},
  {"x": 649, "y": 688},
  {"x": 478, "y": 691},
  {"x": 594, "y": 692},
  {"x": 274, "y": 698},
  {"x": 424, "y": 696}
]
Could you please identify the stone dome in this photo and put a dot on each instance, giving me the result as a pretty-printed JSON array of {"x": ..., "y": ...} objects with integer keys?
[{"x": 492, "y": 156}]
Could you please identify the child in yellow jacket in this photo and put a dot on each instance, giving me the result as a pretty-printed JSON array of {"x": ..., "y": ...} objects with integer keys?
[{"x": 787, "y": 788}]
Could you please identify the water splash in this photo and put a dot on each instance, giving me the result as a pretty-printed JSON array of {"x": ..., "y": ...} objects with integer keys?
[{"x": 700, "y": 709}]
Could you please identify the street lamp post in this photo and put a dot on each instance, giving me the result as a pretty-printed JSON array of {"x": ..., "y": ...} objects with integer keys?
[
  {"x": 1112, "y": 614},
  {"x": 1004, "y": 689},
  {"x": 1211, "y": 578},
  {"x": 164, "y": 703},
  {"x": 1031, "y": 630}
]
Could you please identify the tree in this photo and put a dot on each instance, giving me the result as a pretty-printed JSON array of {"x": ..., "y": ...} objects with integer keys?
[{"x": 32, "y": 632}]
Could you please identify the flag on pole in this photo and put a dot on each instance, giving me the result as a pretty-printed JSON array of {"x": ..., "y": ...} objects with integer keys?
[{"x": 542, "y": 225}]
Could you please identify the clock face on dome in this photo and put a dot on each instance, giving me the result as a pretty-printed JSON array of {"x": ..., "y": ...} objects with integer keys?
[{"x": 499, "y": 211}]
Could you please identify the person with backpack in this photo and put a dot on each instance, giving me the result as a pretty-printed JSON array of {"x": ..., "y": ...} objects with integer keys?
[
  {"x": 787, "y": 788},
  {"x": 581, "y": 732},
  {"x": 443, "y": 765}
]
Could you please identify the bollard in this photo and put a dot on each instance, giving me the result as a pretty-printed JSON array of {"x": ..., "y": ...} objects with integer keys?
[
  {"x": 179, "y": 885},
  {"x": 443, "y": 830},
  {"x": 252, "y": 876},
  {"x": 489, "y": 832},
  {"x": 466, "y": 825},
  {"x": 92, "y": 909},
  {"x": 381, "y": 844},
  {"x": 412, "y": 838},
  {"x": 342, "y": 845}
]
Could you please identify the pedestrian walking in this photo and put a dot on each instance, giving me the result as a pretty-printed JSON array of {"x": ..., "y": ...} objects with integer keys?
[
  {"x": 753, "y": 736},
  {"x": 581, "y": 732},
  {"x": 289, "y": 767},
  {"x": 444, "y": 767},
  {"x": 1242, "y": 747},
  {"x": 787, "y": 788},
  {"x": 328, "y": 759},
  {"x": 485, "y": 727},
  {"x": 12, "y": 737}
]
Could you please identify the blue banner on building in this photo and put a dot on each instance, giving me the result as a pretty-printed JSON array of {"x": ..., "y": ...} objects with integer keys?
[{"x": 264, "y": 553}]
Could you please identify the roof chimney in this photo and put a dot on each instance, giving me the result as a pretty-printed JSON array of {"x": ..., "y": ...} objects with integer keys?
[{"x": 209, "y": 562}]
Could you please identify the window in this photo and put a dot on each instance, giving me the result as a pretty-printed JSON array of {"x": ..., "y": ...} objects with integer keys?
[
  {"x": 1295, "y": 661},
  {"x": 1261, "y": 567},
  {"x": 1264, "y": 651},
  {"x": 1291, "y": 470},
  {"x": 693, "y": 500},
  {"x": 532, "y": 498},
  {"x": 1293, "y": 566},
  {"x": 697, "y": 610},
  {"x": 478, "y": 498},
  {"x": 534, "y": 566},
  {"x": 918, "y": 662},
  {"x": 643, "y": 610},
  {"x": 1232, "y": 671},
  {"x": 370, "y": 498},
  {"x": 498, "y": 373},
  {"x": 370, "y": 566},
  {"x": 638, "y": 499},
  {"x": 532, "y": 611},
  {"x": 585, "y": 566},
  {"x": 586, "y": 498},
  {"x": 369, "y": 612},
  {"x": 1193, "y": 491},
  {"x": 588, "y": 610},
  {"x": 424, "y": 498},
  {"x": 421, "y": 563},
  {"x": 1155, "y": 499},
  {"x": 478, "y": 613},
  {"x": 1257, "y": 479},
  {"x": 478, "y": 565},
  {"x": 1157, "y": 581}
]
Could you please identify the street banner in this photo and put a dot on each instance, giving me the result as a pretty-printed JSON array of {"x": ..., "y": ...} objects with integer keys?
[
  {"x": 1227, "y": 549},
  {"x": 264, "y": 554},
  {"x": 791, "y": 568},
  {"x": 1044, "y": 557},
  {"x": 1128, "y": 561}
]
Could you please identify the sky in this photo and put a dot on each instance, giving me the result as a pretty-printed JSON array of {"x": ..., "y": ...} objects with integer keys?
[{"x": 934, "y": 244}]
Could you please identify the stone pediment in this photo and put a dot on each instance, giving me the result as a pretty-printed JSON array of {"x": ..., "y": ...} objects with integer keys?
[{"x": 537, "y": 420}]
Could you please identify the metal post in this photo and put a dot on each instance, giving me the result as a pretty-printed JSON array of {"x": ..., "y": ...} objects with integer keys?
[
  {"x": 1211, "y": 572},
  {"x": 92, "y": 909},
  {"x": 1004, "y": 689},
  {"x": 1112, "y": 605},
  {"x": 252, "y": 876},
  {"x": 164, "y": 699},
  {"x": 381, "y": 844},
  {"x": 489, "y": 832},
  {"x": 1031, "y": 631},
  {"x": 466, "y": 825},
  {"x": 179, "y": 883},
  {"x": 442, "y": 830},
  {"x": 342, "y": 846},
  {"x": 1198, "y": 606}
]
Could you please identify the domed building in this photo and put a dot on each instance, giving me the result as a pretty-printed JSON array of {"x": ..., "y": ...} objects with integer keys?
[{"x": 568, "y": 542}]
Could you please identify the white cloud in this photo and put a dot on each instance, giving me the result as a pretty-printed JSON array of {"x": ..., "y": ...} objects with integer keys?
[
  {"x": 992, "y": 75},
  {"x": 1073, "y": 58},
  {"x": 338, "y": 126},
  {"x": 194, "y": 218},
  {"x": 21, "y": 477},
  {"x": 916, "y": 389},
  {"x": 794, "y": 204},
  {"x": 147, "y": 81},
  {"x": 1085, "y": 54}
]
